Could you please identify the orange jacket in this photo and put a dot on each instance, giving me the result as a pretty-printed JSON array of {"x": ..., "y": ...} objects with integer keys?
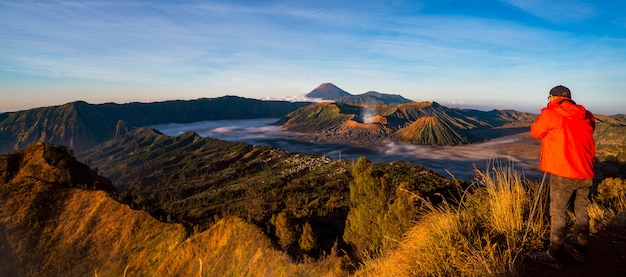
[{"x": 566, "y": 153}]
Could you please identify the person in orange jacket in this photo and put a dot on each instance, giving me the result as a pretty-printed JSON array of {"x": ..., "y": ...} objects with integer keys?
[{"x": 568, "y": 155}]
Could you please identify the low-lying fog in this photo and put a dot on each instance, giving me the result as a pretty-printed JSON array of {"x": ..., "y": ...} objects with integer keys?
[{"x": 460, "y": 161}]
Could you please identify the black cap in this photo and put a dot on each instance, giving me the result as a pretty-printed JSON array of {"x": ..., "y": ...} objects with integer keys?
[{"x": 561, "y": 91}]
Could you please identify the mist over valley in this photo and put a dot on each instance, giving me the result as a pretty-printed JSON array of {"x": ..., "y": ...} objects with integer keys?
[{"x": 519, "y": 149}]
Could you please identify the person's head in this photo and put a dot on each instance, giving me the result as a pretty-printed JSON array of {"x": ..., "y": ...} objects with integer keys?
[{"x": 559, "y": 92}]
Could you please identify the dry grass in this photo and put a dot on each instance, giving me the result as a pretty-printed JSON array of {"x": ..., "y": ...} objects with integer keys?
[
  {"x": 483, "y": 234},
  {"x": 609, "y": 208},
  {"x": 233, "y": 247},
  {"x": 488, "y": 230}
]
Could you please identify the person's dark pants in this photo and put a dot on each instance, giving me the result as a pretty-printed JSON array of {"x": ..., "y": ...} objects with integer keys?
[{"x": 561, "y": 190}]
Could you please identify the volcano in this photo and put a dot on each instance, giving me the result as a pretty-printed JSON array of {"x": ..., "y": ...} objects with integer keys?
[{"x": 327, "y": 91}]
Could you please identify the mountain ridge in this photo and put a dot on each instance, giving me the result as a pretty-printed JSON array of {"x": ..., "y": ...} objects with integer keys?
[{"x": 80, "y": 125}]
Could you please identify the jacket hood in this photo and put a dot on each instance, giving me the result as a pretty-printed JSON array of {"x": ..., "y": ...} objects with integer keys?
[{"x": 568, "y": 108}]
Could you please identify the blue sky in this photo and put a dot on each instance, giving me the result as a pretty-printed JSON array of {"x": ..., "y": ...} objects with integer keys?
[{"x": 482, "y": 54}]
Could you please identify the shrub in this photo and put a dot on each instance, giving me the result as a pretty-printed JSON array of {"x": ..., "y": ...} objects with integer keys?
[
  {"x": 379, "y": 213},
  {"x": 609, "y": 205},
  {"x": 284, "y": 230},
  {"x": 612, "y": 193},
  {"x": 307, "y": 240}
]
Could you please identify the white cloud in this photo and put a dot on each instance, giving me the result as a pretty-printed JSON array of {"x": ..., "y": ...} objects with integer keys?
[
  {"x": 556, "y": 11},
  {"x": 297, "y": 98}
]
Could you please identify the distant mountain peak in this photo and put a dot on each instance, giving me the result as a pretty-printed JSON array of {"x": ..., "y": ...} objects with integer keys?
[
  {"x": 327, "y": 91},
  {"x": 326, "y": 86}
]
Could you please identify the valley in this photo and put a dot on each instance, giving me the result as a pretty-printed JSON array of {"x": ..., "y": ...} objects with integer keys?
[{"x": 512, "y": 144}]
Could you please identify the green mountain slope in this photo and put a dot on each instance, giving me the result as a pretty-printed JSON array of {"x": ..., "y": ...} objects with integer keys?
[
  {"x": 320, "y": 116},
  {"x": 80, "y": 125}
]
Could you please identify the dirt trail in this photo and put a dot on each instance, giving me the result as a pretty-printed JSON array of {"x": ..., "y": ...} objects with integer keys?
[{"x": 607, "y": 257}]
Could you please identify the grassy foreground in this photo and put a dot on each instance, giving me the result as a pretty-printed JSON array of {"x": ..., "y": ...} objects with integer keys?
[{"x": 489, "y": 229}]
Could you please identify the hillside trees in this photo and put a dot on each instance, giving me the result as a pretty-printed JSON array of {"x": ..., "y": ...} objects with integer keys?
[
  {"x": 288, "y": 232},
  {"x": 285, "y": 231},
  {"x": 308, "y": 239},
  {"x": 380, "y": 212}
]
